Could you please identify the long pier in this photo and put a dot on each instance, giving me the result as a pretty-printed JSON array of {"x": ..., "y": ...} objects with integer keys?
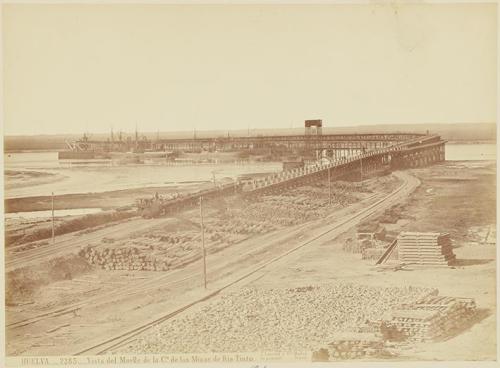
[
  {"x": 419, "y": 151},
  {"x": 337, "y": 145},
  {"x": 416, "y": 152},
  {"x": 315, "y": 142}
]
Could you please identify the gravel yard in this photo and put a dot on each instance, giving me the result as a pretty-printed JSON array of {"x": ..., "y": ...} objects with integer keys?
[{"x": 299, "y": 319}]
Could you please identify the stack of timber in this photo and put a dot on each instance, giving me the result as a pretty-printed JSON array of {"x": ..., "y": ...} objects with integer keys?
[
  {"x": 132, "y": 259},
  {"x": 432, "y": 317},
  {"x": 372, "y": 253},
  {"x": 431, "y": 249},
  {"x": 355, "y": 345},
  {"x": 389, "y": 252},
  {"x": 356, "y": 246},
  {"x": 386, "y": 250}
]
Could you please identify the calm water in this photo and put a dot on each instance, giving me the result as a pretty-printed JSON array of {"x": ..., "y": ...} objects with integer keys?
[
  {"x": 102, "y": 177},
  {"x": 47, "y": 214},
  {"x": 471, "y": 152}
]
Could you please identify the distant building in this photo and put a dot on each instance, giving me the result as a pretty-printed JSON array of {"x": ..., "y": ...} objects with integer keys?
[{"x": 313, "y": 127}]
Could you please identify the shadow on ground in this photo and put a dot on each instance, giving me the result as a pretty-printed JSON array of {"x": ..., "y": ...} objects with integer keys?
[
  {"x": 481, "y": 314},
  {"x": 470, "y": 262}
]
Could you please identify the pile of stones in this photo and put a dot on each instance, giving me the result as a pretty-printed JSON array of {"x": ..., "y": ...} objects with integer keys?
[{"x": 274, "y": 320}]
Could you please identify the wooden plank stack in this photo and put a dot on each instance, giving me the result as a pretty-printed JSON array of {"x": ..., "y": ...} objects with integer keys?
[
  {"x": 355, "y": 345},
  {"x": 432, "y": 317},
  {"x": 372, "y": 253},
  {"x": 430, "y": 249}
]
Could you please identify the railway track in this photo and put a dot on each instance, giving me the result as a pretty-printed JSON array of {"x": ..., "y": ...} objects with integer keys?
[
  {"x": 15, "y": 260},
  {"x": 137, "y": 288},
  {"x": 409, "y": 184},
  {"x": 146, "y": 285}
]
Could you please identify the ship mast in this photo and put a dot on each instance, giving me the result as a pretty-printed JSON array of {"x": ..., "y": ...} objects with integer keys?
[
  {"x": 112, "y": 139},
  {"x": 136, "y": 137}
]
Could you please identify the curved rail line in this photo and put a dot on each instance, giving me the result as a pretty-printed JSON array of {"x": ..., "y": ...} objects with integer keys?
[
  {"x": 127, "y": 291},
  {"x": 260, "y": 184},
  {"x": 91, "y": 301},
  {"x": 35, "y": 254},
  {"x": 126, "y": 337}
]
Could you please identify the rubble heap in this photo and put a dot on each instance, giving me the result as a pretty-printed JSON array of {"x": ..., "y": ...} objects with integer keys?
[{"x": 274, "y": 320}]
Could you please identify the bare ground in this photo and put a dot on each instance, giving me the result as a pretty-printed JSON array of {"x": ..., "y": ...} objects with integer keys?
[
  {"x": 160, "y": 291},
  {"x": 325, "y": 263}
]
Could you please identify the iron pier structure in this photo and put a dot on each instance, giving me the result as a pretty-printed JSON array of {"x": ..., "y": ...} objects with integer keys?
[
  {"x": 329, "y": 145},
  {"x": 416, "y": 151}
]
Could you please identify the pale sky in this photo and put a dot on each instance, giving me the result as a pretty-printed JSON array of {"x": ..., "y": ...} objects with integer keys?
[{"x": 75, "y": 68}]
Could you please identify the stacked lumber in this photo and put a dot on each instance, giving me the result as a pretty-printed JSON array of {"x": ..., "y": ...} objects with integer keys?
[
  {"x": 357, "y": 246},
  {"x": 432, "y": 317},
  {"x": 125, "y": 258},
  {"x": 372, "y": 253},
  {"x": 432, "y": 249},
  {"x": 351, "y": 246},
  {"x": 355, "y": 346},
  {"x": 379, "y": 249}
]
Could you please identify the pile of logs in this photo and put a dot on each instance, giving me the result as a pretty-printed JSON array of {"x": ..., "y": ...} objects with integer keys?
[
  {"x": 355, "y": 346},
  {"x": 351, "y": 246},
  {"x": 432, "y": 317},
  {"x": 358, "y": 245},
  {"x": 369, "y": 235},
  {"x": 372, "y": 253},
  {"x": 431, "y": 249},
  {"x": 377, "y": 252},
  {"x": 125, "y": 258}
]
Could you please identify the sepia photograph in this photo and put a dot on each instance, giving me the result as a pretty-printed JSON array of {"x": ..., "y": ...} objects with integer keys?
[{"x": 255, "y": 184}]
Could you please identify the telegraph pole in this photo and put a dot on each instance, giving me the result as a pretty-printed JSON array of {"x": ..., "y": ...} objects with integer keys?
[
  {"x": 361, "y": 167},
  {"x": 203, "y": 244},
  {"x": 361, "y": 170},
  {"x": 53, "y": 229},
  {"x": 329, "y": 186}
]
